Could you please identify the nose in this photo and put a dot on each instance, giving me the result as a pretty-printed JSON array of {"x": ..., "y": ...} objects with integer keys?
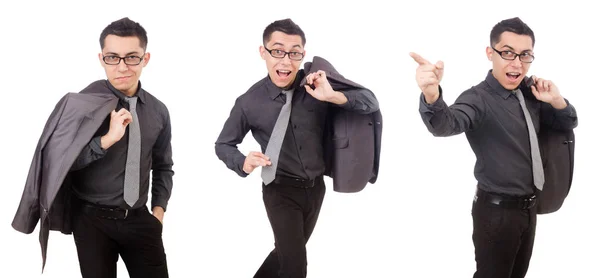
[
  {"x": 285, "y": 60},
  {"x": 516, "y": 63},
  {"x": 122, "y": 66}
]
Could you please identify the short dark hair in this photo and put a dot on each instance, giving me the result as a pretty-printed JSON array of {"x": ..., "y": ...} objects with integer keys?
[
  {"x": 513, "y": 25},
  {"x": 286, "y": 26},
  {"x": 125, "y": 27}
]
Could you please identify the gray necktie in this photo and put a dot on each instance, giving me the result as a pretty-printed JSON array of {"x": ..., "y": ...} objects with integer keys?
[
  {"x": 536, "y": 158},
  {"x": 131, "y": 189},
  {"x": 276, "y": 139}
]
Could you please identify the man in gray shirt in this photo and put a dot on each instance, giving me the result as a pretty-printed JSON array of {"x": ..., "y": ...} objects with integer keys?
[
  {"x": 110, "y": 217},
  {"x": 501, "y": 117},
  {"x": 293, "y": 186}
]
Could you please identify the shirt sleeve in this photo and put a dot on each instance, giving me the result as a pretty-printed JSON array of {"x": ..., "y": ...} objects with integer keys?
[
  {"x": 234, "y": 130},
  {"x": 559, "y": 119},
  {"x": 162, "y": 166},
  {"x": 442, "y": 120},
  {"x": 90, "y": 153},
  {"x": 361, "y": 101}
]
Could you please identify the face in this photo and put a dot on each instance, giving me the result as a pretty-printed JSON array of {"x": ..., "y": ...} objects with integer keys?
[
  {"x": 122, "y": 76},
  {"x": 282, "y": 71},
  {"x": 510, "y": 73}
]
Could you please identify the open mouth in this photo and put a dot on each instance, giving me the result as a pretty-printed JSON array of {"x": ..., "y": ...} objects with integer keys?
[
  {"x": 283, "y": 73},
  {"x": 513, "y": 76}
]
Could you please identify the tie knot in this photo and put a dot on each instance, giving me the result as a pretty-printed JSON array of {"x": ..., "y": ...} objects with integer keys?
[
  {"x": 288, "y": 95},
  {"x": 132, "y": 102}
]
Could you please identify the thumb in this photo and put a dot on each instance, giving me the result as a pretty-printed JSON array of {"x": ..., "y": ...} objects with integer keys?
[
  {"x": 308, "y": 89},
  {"x": 439, "y": 65},
  {"x": 535, "y": 92}
]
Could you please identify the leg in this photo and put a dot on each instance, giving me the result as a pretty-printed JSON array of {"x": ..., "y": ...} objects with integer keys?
[
  {"x": 284, "y": 205},
  {"x": 315, "y": 198},
  {"x": 496, "y": 236},
  {"x": 97, "y": 252},
  {"x": 526, "y": 249},
  {"x": 142, "y": 247}
]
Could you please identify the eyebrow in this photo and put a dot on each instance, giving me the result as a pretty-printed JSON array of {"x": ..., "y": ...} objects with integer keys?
[
  {"x": 281, "y": 44},
  {"x": 116, "y": 54},
  {"x": 526, "y": 50}
]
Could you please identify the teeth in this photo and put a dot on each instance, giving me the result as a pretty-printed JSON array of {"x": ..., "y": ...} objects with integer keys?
[
  {"x": 513, "y": 74},
  {"x": 284, "y": 71}
]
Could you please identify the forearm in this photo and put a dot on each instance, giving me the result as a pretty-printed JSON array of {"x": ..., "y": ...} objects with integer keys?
[
  {"x": 443, "y": 120},
  {"x": 558, "y": 118},
  {"x": 90, "y": 153},
  {"x": 162, "y": 185},
  {"x": 232, "y": 157}
]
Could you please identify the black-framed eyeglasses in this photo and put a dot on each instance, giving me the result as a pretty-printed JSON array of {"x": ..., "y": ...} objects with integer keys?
[
  {"x": 130, "y": 60},
  {"x": 293, "y": 55},
  {"x": 525, "y": 57}
]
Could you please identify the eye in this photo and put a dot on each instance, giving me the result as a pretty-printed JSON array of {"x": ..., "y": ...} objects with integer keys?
[
  {"x": 277, "y": 51},
  {"x": 111, "y": 58}
]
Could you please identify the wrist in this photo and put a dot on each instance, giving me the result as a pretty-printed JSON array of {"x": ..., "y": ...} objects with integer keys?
[
  {"x": 338, "y": 98},
  {"x": 107, "y": 141},
  {"x": 559, "y": 103},
  {"x": 430, "y": 99}
]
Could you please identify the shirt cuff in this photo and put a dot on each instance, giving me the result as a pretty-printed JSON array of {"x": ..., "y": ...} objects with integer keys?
[
  {"x": 159, "y": 202},
  {"x": 96, "y": 146},
  {"x": 239, "y": 161},
  {"x": 351, "y": 101},
  {"x": 437, "y": 105},
  {"x": 568, "y": 111}
]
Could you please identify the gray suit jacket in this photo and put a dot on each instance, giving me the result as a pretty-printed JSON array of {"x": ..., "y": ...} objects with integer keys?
[
  {"x": 47, "y": 194},
  {"x": 353, "y": 144}
]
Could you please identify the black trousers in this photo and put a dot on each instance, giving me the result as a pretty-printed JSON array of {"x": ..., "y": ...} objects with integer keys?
[
  {"x": 137, "y": 238},
  {"x": 293, "y": 214},
  {"x": 503, "y": 239}
]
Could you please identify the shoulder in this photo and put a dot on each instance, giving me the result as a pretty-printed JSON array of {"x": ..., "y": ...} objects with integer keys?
[
  {"x": 257, "y": 89},
  {"x": 155, "y": 103}
]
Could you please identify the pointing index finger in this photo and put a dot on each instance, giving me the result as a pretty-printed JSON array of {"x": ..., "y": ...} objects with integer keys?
[{"x": 419, "y": 59}]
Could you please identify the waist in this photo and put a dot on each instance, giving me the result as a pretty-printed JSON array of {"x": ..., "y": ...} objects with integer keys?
[
  {"x": 297, "y": 182},
  {"x": 506, "y": 201},
  {"x": 109, "y": 212}
]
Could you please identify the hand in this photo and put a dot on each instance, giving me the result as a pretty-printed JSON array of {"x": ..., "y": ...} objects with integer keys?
[
  {"x": 428, "y": 77},
  {"x": 546, "y": 91},
  {"x": 323, "y": 90},
  {"x": 118, "y": 124},
  {"x": 253, "y": 160},
  {"x": 159, "y": 213}
]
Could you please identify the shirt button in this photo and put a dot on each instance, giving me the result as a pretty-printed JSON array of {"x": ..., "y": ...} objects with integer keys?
[
  {"x": 300, "y": 147},
  {"x": 295, "y": 126}
]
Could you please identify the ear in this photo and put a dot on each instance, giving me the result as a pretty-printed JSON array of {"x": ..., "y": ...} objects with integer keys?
[
  {"x": 100, "y": 59},
  {"x": 489, "y": 51},
  {"x": 262, "y": 51},
  {"x": 146, "y": 59}
]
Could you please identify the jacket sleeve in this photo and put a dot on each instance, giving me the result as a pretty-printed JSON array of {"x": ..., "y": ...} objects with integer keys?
[{"x": 28, "y": 212}]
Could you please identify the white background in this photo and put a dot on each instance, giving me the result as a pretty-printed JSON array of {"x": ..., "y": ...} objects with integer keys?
[{"x": 414, "y": 222}]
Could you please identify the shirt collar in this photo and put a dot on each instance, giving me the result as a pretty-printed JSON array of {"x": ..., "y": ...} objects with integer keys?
[
  {"x": 496, "y": 87},
  {"x": 141, "y": 94},
  {"x": 275, "y": 91}
]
